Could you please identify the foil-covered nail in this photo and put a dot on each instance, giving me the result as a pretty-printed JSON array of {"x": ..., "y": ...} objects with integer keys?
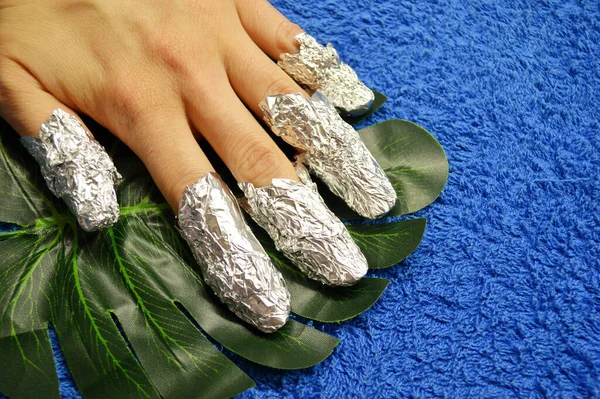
[
  {"x": 232, "y": 261},
  {"x": 305, "y": 230},
  {"x": 77, "y": 169},
  {"x": 332, "y": 150},
  {"x": 319, "y": 68}
]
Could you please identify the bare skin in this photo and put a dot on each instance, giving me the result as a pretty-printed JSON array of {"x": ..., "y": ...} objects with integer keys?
[{"x": 158, "y": 74}]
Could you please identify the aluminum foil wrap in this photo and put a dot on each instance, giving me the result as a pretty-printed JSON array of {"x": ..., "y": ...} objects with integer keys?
[
  {"x": 77, "y": 169},
  {"x": 232, "y": 261},
  {"x": 305, "y": 230},
  {"x": 319, "y": 68},
  {"x": 332, "y": 150}
]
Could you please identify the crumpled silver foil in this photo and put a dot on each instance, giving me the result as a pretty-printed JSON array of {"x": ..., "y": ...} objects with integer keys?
[
  {"x": 233, "y": 262},
  {"x": 305, "y": 230},
  {"x": 77, "y": 169},
  {"x": 319, "y": 68},
  {"x": 332, "y": 150}
]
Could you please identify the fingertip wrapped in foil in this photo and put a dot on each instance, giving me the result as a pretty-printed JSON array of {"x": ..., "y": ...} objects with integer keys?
[
  {"x": 332, "y": 150},
  {"x": 77, "y": 169},
  {"x": 305, "y": 230},
  {"x": 232, "y": 261},
  {"x": 319, "y": 68}
]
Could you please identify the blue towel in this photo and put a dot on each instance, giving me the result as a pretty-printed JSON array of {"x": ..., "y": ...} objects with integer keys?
[{"x": 502, "y": 298}]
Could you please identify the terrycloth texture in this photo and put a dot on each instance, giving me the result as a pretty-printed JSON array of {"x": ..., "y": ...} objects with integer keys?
[{"x": 502, "y": 298}]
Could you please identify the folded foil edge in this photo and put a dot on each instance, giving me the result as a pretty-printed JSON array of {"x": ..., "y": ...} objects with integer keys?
[{"x": 319, "y": 67}]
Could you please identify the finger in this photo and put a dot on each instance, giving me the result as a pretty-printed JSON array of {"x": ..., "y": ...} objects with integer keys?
[
  {"x": 254, "y": 76},
  {"x": 268, "y": 28},
  {"x": 23, "y": 102},
  {"x": 75, "y": 167},
  {"x": 333, "y": 151},
  {"x": 320, "y": 66},
  {"x": 239, "y": 140},
  {"x": 305, "y": 230},
  {"x": 233, "y": 263},
  {"x": 168, "y": 149},
  {"x": 232, "y": 260}
]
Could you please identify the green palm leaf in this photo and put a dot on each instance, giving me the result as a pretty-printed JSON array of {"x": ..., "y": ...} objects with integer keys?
[
  {"x": 128, "y": 303},
  {"x": 387, "y": 244}
]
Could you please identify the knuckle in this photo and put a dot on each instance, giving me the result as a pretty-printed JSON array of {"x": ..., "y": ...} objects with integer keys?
[
  {"x": 171, "y": 48},
  {"x": 259, "y": 160},
  {"x": 137, "y": 105},
  {"x": 128, "y": 99}
]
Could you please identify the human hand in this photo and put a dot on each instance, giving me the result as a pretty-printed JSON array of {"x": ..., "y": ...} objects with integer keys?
[
  {"x": 159, "y": 75},
  {"x": 156, "y": 74}
]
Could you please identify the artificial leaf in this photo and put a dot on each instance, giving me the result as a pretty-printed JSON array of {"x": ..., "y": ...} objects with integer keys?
[
  {"x": 21, "y": 188},
  {"x": 413, "y": 160},
  {"x": 387, "y": 244},
  {"x": 313, "y": 300},
  {"x": 126, "y": 302},
  {"x": 30, "y": 265},
  {"x": 35, "y": 376},
  {"x": 294, "y": 346},
  {"x": 379, "y": 100}
]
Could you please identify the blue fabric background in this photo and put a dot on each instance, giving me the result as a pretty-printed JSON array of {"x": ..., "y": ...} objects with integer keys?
[{"x": 502, "y": 298}]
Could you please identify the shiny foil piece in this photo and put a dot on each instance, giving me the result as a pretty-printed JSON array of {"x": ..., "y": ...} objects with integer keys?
[
  {"x": 319, "y": 68},
  {"x": 305, "y": 230},
  {"x": 77, "y": 169},
  {"x": 332, "y": 150},
  {"x": 232, "y": 261}
]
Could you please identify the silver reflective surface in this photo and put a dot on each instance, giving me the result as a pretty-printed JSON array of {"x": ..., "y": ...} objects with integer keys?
[
  {"x": 76, "y": 169},
  {"x": 319, "y": 68},
  {"x": 233, "y": 262},
  {"x": 305, "y": 230},
  {"x": 332, "y": 150}
]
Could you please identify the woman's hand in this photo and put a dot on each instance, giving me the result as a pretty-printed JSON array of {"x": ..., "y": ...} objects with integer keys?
[{"x": 157, "y": 74}]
